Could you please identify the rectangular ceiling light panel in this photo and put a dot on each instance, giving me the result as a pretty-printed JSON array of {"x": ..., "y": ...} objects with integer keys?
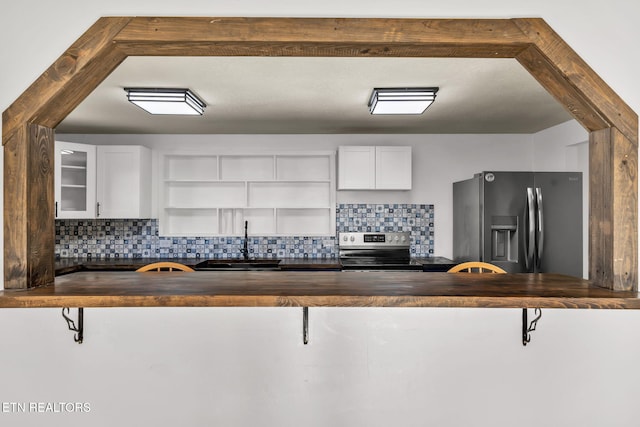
[
  {"x": 401, "y": 100},
  {"x": 166, "y": 101}
]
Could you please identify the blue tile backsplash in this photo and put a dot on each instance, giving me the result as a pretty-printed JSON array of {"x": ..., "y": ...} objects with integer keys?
[
  {"x": 138, "y": 238},
  {"x": 418, "y": 219}
]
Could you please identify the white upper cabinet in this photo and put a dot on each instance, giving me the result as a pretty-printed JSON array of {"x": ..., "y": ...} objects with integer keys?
[
  {"x": 75, "y": 180},
  {"x": 123, "y": 184},
  {"x": 393, "y": 168},
  {"x": 102, "y": 181},
  {"x": 374, "y": 168},
  {"x": 356, "y": 168}
]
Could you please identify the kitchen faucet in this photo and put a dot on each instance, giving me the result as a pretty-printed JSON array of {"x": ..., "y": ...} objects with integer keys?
[{"x": 245, "y": 248}]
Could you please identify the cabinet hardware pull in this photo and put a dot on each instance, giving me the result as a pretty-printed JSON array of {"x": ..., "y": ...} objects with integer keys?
[
  {"x": 97, "y": 209},
  {"x": 56, "y": 209}
]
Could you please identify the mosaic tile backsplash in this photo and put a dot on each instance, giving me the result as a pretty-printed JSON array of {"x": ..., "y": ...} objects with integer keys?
[{"x": 138, "y": 238}]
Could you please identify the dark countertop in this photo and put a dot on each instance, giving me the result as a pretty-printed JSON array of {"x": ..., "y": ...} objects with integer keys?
[
  {"x": 72, "y": 265},
  {"x": 436, "y": 263},
  {"x": 309, "y": 264}
]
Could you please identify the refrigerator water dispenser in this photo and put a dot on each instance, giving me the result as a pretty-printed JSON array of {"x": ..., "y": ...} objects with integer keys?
[{"x": 504, "y": 238}]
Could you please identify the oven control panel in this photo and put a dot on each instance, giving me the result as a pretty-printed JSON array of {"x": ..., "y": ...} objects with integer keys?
[{"x": 374, "y": 239}]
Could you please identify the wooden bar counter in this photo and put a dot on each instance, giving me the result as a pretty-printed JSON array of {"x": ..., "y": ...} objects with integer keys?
[{"x": 318, "y": 289}]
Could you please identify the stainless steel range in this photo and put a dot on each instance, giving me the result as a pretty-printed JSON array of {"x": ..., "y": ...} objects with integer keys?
[{"x": 377, "y": 251}]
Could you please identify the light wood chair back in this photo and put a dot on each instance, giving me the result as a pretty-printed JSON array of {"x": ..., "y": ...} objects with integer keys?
[
  {"x": 476, "y": 267},
  {"x": 165, "y": 266}
]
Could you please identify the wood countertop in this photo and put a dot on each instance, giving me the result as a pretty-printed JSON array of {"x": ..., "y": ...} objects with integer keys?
[{"x": 318, "y": 289}]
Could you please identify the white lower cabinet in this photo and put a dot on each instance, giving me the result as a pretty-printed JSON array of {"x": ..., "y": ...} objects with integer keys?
[
  {"x": 102, "y": 181},
  {"x": 276, "y": 194}
]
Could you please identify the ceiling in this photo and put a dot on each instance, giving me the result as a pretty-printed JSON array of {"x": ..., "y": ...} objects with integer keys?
[{"x": 318, "y": 95}]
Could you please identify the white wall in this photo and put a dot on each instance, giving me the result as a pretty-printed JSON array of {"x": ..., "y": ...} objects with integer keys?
[
  {"x": 556, "y": 148},
  {"x": 374, "y": 367}
]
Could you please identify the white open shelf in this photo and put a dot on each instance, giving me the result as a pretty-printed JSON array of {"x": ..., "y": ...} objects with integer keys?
[
  {"x": 258, "y": 168},
  {"x": 192, "y": 222},
  {"x": 289, "y": 194},
  {"x": 278, "y": 194},
  {"x": 304, "y": 168},
  {"x": 205, "y": 194},
  {"x": 195, "y": 168}
]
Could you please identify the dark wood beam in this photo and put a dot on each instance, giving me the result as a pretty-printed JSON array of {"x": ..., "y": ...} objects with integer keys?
[
  {"x": 613, "y": 125},
  {"x": 29, "y": 208},
  {"x": 562, "y": 89},
  {"x": 571, "y": 75},
  {"x": 613, "y": 151},
  {"x": 377, "y": 49},
  {"x": 473, "y": 38},
  {"x": 613, "y": 210},
  {"x": 72, "y": 77},
  {"x": 329, "y": 31},
  {"x": 28, "y": 137}
]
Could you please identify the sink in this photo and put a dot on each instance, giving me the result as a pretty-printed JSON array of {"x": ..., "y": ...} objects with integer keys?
[{"x": 239, "y": 264}]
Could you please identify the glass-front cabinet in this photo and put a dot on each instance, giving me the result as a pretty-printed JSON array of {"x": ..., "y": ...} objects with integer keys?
[{"x": 75, "y": 180}]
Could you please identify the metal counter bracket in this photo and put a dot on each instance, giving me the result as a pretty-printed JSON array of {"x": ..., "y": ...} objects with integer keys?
[
  {"x": 79, "y": 329},
  {"x": 79, "y": 336},
  {"x": 529, "y": 327},
  {"x": 305, "y": 325}
]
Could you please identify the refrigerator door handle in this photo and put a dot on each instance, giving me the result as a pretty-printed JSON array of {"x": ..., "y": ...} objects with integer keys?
[
  {"x": 539, "y": 227},
  {"x": 529, "y": 245}
]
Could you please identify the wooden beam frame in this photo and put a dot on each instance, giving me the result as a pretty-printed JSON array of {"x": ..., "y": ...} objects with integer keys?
[{"x": 28, "y": 124}]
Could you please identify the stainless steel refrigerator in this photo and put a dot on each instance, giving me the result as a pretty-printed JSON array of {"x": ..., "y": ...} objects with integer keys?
[{"x": 520, "y": 221}]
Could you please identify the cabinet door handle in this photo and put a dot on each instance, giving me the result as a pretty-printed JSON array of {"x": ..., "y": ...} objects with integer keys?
[
  {"x": 97, "y": 209},
  {"x": 56, "y": 209}
]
